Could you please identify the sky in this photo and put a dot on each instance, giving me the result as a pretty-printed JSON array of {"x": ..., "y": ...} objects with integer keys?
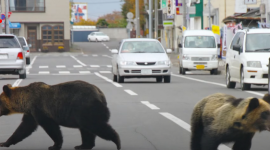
[{"x": 97, "y": 8}]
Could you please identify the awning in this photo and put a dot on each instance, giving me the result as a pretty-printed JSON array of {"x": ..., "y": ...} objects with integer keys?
[{"x": 12, "y": 25}]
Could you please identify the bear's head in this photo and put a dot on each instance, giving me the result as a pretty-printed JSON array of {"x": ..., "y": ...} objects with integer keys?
[
  {"x": 253, "y": 115},
  {"x": 5, "y": 108}
]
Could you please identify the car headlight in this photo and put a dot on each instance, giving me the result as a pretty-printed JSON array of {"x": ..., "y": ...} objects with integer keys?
[
  {"x": 185, "y": 57},
  {"x": 166, "y": 62},
  {"x": 214, "y": 57},
  {"x": 254, "y": 64},
  {"x": 127, "y": 63}
]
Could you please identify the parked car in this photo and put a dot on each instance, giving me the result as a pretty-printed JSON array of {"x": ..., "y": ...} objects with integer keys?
[
  {"x": 247, "y": 58},
  {"x": 23, "y": 43},
  {"x": 141, "y": 58},
  {"x": 98, "y": 37},
  {"x": 199, "y": 51},
  {"x": 12, "y": 56}
]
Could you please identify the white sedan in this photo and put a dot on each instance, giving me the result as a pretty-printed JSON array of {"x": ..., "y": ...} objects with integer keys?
[
  {"x": 98, "y": 37},
  {"x": 141, "y": 58}
]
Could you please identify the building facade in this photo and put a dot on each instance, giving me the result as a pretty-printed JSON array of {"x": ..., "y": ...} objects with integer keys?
[{"x": 44, "y": 23}]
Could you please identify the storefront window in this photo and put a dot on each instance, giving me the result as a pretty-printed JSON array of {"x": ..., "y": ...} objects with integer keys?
[
  {"x": 47, "y": 35},
  {"x": 52, "y": 35}
]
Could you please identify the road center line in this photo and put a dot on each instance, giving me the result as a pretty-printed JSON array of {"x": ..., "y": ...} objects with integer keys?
[
  {"x": 148, "y": 104},
  {"x": 186, "y": 126},
  {"x": 108, "y": 80},
  {"x": 77, "y": 60},
  {"x": 106, "y": 56},
  {"x": 214, "y": 83},
  {"x": 130, "y": 92},
  {"x": 17, "y": 83}
]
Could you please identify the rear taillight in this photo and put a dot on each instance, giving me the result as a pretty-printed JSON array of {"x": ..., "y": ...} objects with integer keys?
[
  {"x": 28, "y": 51},
  {"x": 20, "y": 55}
]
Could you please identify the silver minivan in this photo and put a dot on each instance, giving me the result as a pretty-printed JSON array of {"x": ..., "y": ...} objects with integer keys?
[
  {"x": 26, "y": 48},
  {"x": 12, "y": 57}
]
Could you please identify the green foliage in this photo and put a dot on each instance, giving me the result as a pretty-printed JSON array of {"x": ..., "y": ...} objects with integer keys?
[
  {"x": 122, "y": 23},
  {"x": 102, "y": 23}
]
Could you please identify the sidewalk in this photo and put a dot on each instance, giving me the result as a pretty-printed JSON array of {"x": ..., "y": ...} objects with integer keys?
[{"x": 175, "y": 62}]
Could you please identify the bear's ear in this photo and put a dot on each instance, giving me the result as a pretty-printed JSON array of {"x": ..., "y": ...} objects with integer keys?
[
  {"x": 266, "y": 98},
  {"x": 6, "y": 89}
]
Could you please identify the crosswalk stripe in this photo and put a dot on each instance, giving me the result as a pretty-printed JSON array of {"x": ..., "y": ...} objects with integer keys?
[
  {"x": 44, "y": 72},
  {"x": 84, "y": 72},
  {"x": 77, "y": 66},
  {"x": 109, "y": 66},
  {"x": 64, "y": 72},
  {"x": 105, "y": 71},
  {"x": 43, "y": 66},
  {"x": 94, "y": 66},
  {"x": 60, "y": 66}
]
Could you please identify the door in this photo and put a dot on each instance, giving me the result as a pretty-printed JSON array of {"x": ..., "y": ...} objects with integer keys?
[
  {"x": 32, "y": 37},
  {"x": 231, "y": 54},
  {"x": 237, "y": 59}
]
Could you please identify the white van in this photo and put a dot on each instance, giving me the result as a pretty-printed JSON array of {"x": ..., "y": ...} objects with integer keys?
[{"x": 198, "y": 51}]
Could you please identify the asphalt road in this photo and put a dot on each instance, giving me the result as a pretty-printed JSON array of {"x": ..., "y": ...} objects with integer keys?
[{"x": 147, "y": 115}]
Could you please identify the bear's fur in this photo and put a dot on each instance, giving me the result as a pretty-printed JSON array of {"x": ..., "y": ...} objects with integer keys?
[
  {"x": 221, "y": 118},
  {"x": 75, "y": 104}
]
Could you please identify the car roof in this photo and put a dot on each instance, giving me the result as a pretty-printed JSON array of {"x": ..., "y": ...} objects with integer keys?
[
  {"x": 7, "y": 35},
  {"x": 256, "y": 30},
  {"x": 139, "y": 39},
  {"x": 198, "y": 32}
]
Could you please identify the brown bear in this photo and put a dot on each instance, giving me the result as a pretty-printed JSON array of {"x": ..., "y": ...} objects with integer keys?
[
  {"x": 221, "y": 118},
  {"x": 75, "y": 104}
]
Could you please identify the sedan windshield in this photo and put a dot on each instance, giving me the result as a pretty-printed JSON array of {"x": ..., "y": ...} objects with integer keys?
[
  {"x": 100, "y": 34},
  {"x": 142, "y": 47},
  {"x": 258, "y": 42},
  {"x": 8, "y": 42},
  {"x": 200, "y": 42}
]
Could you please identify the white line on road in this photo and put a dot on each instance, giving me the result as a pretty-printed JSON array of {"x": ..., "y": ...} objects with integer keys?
[
  {"x": 214, "y": 83},
  {"x": 105, "y": 72},
  {"x": 186, "y": 126},
  {"x": 84, "y": 72},
  {"x": 77, "y": 60},
  {"x": 17, "y": 82},
  {"x": 94, "y": 66},
  {"x": 77, "y": 66},
  {"x": 64, "y": 72},
  {"x": 148, "y": 104},
  {"x": 60, "y": 66},
  {"x": 106, "y": 56},
  {"x": 94, "y": 55},
  {"x": 31, "y": 64},
  {"x": 109, "y": 66},
  {"x": 85, "y": 55},
  {"x": 43, "y": 66},
  {"x": 130, "y": 92},
  {"x": 44, "y": 72},
  {"x": 108, "y": 80}
]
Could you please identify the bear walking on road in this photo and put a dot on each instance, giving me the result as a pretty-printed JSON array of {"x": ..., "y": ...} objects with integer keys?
[
  {"x": 221, "y": 118},
  {"x": 74, "y": 104}
]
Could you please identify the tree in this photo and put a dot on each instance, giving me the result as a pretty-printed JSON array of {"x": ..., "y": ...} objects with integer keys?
[
  {"x": 115, "y": 20},
  {"x": 102, "y": 23},
  {"x": 86, "y": 22}
]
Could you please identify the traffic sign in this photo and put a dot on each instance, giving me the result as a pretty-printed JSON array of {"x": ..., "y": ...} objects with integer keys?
[
  {"x": 163, "y": 5},
  {"x": 3, "y": 17},
  {"x": 9, "y": 14},
  {"x": 167, "y": 23},
  {"x": 130, "y": 15}
]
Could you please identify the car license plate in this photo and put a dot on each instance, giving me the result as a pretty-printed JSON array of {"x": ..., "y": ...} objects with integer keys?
[
  {"x": 199, "y": 66},
  {"x": 3, "y": 56},
  {"x": 146, "y": 71}
]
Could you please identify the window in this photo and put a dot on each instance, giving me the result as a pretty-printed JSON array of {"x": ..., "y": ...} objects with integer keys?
[
  {"x": 27, "y": 5},
  {"x": 235, "y": 40},
  {"x": 200, "y": 42},
  {"x": 258, "y": 42},
  {"x": 53, "y": 35},
  {"x": 9, "y": 42},
  {"x": 142, "y": 47}
]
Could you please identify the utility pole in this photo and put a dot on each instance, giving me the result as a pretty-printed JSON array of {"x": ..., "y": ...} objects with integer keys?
[
  {"x": 1, "y": 29},
  {"x": 184, "y": 13},
  {"x": 7, "y": 20},
  {"x": 156, "y": 19},
  {"x": 138, "y": 33},
  {"x": 150, "y": 18},
  {"x": 209, "y": 8},
  {"x": 187, "y": 17}
]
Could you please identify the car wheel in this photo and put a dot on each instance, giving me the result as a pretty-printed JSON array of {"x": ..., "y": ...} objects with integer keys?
[
  {"x": 27, "y": 61},
  {"x": 96, "y": 40},
  {"x": 180, "y": 70},
  {"x": 167, "y": 79},
  {"x": 159, "y": 79},
  {"x": 115, "y": 78},
  {"x": 183, "y": 71},
  {"x": 230, "y": 85},
  {"x": 244, "y": 86},
  {"x": 22, "y": 76},
  {"x": 214, "y": 72},
  {"x": 120, "y": 79}
]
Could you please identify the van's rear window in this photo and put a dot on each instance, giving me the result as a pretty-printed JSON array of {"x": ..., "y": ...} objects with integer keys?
[{"x": 9, "y": 42}]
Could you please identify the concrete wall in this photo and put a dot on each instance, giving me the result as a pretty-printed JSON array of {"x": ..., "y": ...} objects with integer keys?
[{"x": 115, "y": 33}]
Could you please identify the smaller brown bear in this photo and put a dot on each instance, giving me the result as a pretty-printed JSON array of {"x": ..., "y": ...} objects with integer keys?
[
  {"x": 221, "y": 118},
  {"x": 74, "y": 104}
]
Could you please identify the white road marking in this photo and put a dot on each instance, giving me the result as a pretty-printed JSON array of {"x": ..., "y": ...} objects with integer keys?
[
  {"x": 186, "y": 126},
  {"x": 43, "y": 66},
  {"x": 77, "y": 66},
  {"x": 85, "y": 55},
  {"x": 108, "y": 80},
  {"x": 107, "y": 47},
  {"x": 214, "y": 83},
  {"x": 44, "y": 72},
  {"x": 84, "y": 72},
  {"x": 60, "y": 66},
  {"x": 148, "y": 104},
  {"x": 106, "y": 56},
  {"x": 31, "y": 64},
  {"x": 105, "y": 72},
  {"x": 77, "y": 60},
  {"x": 17, "y": 82},
  {"x": 109, "y": 66},
  {"x": 94, "y": 66},
  {"x": 94, "y": 55},
  {"x": 130, "y": 92},
  {"x": 57, "y": 74},
  {"x": 64, "y": 72}
]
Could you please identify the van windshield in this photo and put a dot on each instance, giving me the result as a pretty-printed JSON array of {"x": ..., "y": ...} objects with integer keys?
[
  {"x": 258, "y": 42},
  {"x": 200, "y": 42}
]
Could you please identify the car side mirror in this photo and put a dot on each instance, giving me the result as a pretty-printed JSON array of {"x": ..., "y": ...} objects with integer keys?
[
  {"x": 30, "y": 45},
  {"x": 169, "y": 51},
  {"x": 180, "y": 45},
  {"x": 114, "y": 51},
  {"x": 237, "y": 48},
  {"x": 218, "y": 45},
  {"x": 25, "y": 48}
]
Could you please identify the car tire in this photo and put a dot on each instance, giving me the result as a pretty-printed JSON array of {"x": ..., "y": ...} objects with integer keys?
[
  {"x": 96, "y": 40},
  {"x": 22, "y": 76},
  {"x": 27, "y": 61},
  {"x": 214, "y": 72},
  {"x": 115, "y": 78},
  {"x": 183, "y": 71},
  {"x": 244, "y": 86},
  {"x": 167, "y": 79},
  {"x": 229, "y": 84},
  {"x": 180, "y": 70},
  {"x": 120, "y": 79},
  {"x": 159, "y": 79}
]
